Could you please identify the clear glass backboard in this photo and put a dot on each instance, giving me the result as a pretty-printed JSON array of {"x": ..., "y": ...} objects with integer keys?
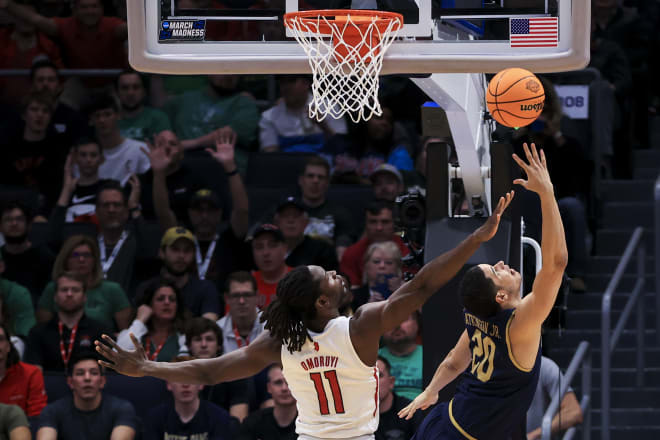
[{"x": 439, "y": 36}]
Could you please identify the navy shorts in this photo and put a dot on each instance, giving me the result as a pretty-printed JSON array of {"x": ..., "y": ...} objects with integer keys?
[{"x": 438, "y": 426}]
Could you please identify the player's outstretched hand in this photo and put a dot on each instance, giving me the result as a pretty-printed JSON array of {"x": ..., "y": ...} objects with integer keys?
[
  {"x": 129, "y": 363},
  {"x": 422, "y": 401},
  {"x": 489, "y": 229},
  {"x": 538, "y": 177}
]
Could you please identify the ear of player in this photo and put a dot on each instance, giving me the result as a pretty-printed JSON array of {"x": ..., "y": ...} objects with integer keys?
[{"x": 515, "y": 97}]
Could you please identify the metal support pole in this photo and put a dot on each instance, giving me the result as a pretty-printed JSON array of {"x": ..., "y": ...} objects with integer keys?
[
  {"x": 641, "y": 255},
  {"x": 605, "y": 370},
  {"x": 587, "y": 397}
]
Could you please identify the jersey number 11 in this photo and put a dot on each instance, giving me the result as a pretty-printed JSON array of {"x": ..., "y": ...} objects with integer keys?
[{"x": 331, "y": 377}]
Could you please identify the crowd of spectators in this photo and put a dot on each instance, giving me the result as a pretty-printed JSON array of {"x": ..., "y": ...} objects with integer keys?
[{"x": 127, "y": 208}]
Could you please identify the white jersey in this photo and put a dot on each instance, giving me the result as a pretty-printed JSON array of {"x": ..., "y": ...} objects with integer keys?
[{"x": 336, "y": 393}]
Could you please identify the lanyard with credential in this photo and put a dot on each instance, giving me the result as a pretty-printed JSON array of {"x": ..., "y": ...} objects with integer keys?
[
  {"x": 203, "y": 265},
  {"x": 239, "y": 339},
  {"x": 66, "y": 354},
  {"x": 150, "y": 356},
  {"x": 106, "y": 263}
]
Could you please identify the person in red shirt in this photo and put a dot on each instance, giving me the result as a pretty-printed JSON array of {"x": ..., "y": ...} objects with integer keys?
[
  {"x": 269, "y": 253},
  {"x": 87, "y": 38},
  {"x": 379, "y": 226},
  {"x": 21, "y": 384}
]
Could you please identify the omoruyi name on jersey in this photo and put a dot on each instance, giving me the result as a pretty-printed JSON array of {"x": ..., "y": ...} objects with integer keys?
[{"x": 182, "y": 30}]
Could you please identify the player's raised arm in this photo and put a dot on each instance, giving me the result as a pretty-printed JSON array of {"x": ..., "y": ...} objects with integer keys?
[
  {"x": 238, "y": 364},
  {"x": 536, "y": 306},
  {"x": 386, "y": 315}
]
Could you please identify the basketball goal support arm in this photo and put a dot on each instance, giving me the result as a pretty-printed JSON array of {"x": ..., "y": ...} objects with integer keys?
[{"x": 462, "y": 97}]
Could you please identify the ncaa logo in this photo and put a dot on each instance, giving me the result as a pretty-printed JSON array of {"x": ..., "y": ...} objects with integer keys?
[{"x": 165, "y": 25}]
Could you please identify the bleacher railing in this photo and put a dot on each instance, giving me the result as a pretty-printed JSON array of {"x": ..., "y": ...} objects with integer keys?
[
  {"x": 610, "y": 338},
  {"x": 657, "y": 259},
  {"x": 581, "y": 358}
]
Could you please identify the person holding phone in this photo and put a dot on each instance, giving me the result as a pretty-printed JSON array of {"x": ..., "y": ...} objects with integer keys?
[{"x": 381, "y": 273}]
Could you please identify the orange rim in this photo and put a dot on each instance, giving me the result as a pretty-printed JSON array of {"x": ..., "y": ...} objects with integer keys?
[{"x": 383, "y": 18}]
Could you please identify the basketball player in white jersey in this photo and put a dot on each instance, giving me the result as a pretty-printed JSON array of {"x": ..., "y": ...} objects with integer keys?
[{"x": 329, "y": 360}]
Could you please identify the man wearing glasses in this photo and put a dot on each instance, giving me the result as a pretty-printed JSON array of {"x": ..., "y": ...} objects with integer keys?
[{"x": 241, "y": 324}]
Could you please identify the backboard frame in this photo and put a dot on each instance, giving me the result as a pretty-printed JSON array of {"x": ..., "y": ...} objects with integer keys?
[{"x": 405, "y": 56}]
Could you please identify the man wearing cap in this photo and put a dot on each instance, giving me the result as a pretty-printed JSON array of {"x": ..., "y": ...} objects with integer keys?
[
  {"x": 292, "y": 219},
  {"x": 177, "y": 250},
  {"x": 269, "y": 253},
  {"x": 219, "y": 250},
  {"x": 387, "y": 182}
]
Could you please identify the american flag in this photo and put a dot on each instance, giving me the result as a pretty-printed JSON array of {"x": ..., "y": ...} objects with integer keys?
[{"x": 534, "y": 32}]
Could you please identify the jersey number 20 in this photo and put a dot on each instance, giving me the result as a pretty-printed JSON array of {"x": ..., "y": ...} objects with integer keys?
[
  {"x": 482, "y": 356},
  {"x": 331, "y": 377}
]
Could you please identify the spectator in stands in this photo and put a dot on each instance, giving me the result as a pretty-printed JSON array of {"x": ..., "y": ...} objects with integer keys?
[
  {"x": 24, "y": 263},
  {"x": 87, "y": 38},
  {"x": 180, "y": 178},
  {"x": 88, "y": 413},
  {"x": 13, "y": 423},
  {"x": 379, "y": 226},
  {"x": 390, "y": 426},
  {"x": 570, "y": 171},
  {"x": 287, "y": 126},
  {"x": 70, "y": 332},
  {"x": 327, "y": 220},
  {"x": 177, "y": 248},
  {"x": 241, "y": 324},
  {"x": 219, "y": 249},
  {"x": 277, "y": 422},
  {"x": 382, "y": 273},
  {"x": 16, "y": 341},
  {"x": 137, "y": 121},
  {"x": 387, "y": 182},
  {"x": 405, "y": 356},
  {"x": 187, "y": 416},
  {"x": 34, "y": 158},
  {"x": 269, "y": 253},
  {"x": 204, "y": 339},
  {"x": 123, "y": 156},
  {"x": 21, "y": 384},
  {"x": 78, "y": 195},
  {"x": 159, "y": 322},
  {"x": 569, "y": 414},
  {"x": 199, "y": 115},
  {"x": 292, "y": 219},
  {"x": 106, "y": 300},
  {"x": 20, "y": 46},
  {"x": 17, "y": 308},
  {"x": 65, "y": 120},
  {"x": 378, "y": 140}
]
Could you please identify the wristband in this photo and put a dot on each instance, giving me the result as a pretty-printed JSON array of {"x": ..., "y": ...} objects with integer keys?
[{"x": 232, "y": 173}]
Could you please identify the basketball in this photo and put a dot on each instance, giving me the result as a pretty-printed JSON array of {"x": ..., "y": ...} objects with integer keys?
[{"x": 515, "y": 97}]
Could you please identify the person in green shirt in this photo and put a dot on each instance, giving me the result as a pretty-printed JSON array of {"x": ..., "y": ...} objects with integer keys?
[
  {"x": 405, "y": 357},
  {"x": 106, "y": 300},
  {"x": 198, "y": 116},
  {"x": 16, "y": 305},
  {"x": 138, "y": 121},
  {"x": 13, "y": 423}
]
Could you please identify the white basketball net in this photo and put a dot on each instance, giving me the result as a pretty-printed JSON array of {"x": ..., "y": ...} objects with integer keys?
[{"x": 345, "y": 74}]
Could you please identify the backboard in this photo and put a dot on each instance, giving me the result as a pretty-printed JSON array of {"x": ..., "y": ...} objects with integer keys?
[{"x": 448, "y": 36}]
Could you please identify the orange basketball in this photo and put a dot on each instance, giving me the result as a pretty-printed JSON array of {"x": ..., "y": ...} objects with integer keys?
[{"x": 515, "y": 97}]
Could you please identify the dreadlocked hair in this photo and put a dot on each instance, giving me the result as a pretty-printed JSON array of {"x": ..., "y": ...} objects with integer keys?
[{"x": 293, "y": 305}]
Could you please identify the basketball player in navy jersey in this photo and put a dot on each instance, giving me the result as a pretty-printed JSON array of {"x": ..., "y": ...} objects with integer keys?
[
  {"x": 329, "y": 361},
  {"x": 499, "y": 353}
]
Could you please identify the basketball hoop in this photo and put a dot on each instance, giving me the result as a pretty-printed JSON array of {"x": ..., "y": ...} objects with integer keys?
[{"x": 345, "y": 49}]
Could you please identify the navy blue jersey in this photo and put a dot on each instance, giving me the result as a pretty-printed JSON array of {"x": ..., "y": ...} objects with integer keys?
[{"x": 495, "y": 392}]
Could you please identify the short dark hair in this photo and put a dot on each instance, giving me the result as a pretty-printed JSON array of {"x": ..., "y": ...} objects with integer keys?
[
  {"x": 199, "y": 325},
  {"x": 16, "y": 204},
  {"x": 376, "y": 206},
  {"x": 71, "y": 276},
  {"x": 83, "y": 355},
  {"x": 149, "y": 291},
  {"x": 131, "y": 72},
  {"x": 241, "y": 276},
  {"x": 85, "y": 140},
  {"x": 44, "y": 63},
  {"x": 110, "y": 185},
  {"x": 12, "y": 357},
  {"x": 477, "y": 293},
  {"x": 43, "y": 98},
  {"x": 316, "y": 161},
  {"x": 270, "y": 367},
  {"x": 387, "y": 364},
  {"x": 102, "y": 101}
]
